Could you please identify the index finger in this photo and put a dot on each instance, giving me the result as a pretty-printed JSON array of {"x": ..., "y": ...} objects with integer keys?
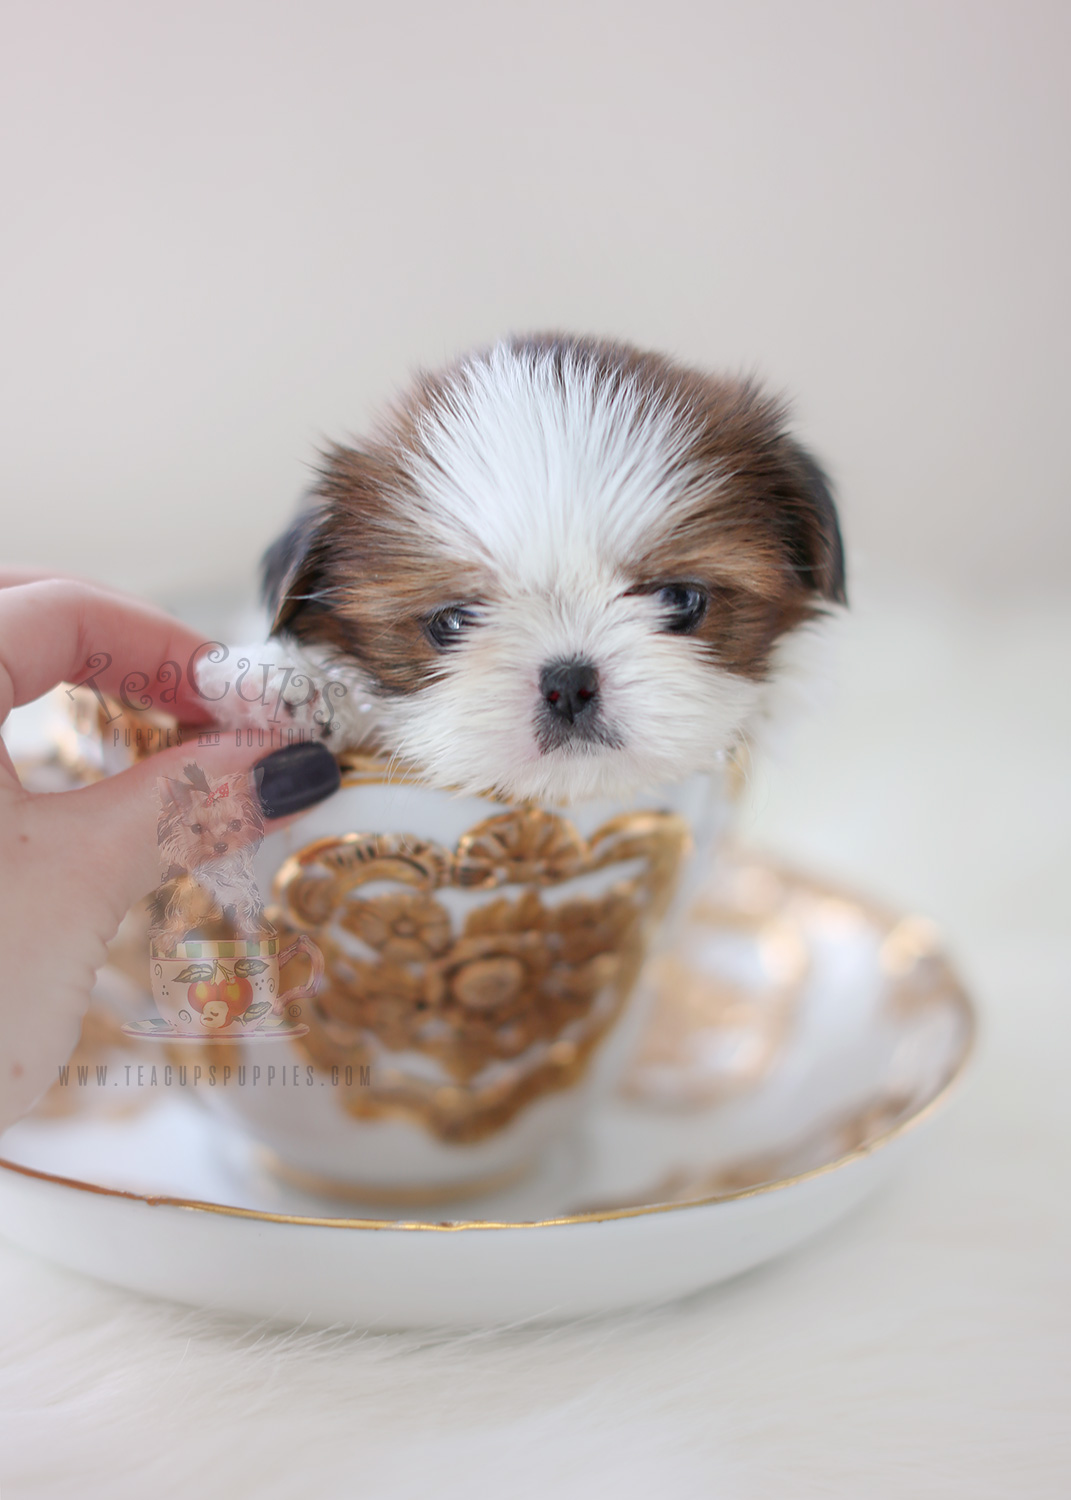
[{"x": 59, "y": 630}]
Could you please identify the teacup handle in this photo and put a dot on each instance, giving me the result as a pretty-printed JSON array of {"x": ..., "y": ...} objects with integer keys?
[{"x": 316, "y": 965}]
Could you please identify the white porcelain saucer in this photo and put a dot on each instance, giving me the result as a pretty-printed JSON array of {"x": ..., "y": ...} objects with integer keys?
[{"x": 801, "y": 1043}]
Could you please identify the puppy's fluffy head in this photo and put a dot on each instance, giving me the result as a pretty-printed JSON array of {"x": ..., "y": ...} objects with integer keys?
[
  {"x": 562, "y": 568},
  {"x": 205, "y": 820}
]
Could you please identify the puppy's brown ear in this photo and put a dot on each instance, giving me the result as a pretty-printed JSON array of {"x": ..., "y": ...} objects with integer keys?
[
  {"x": 175, "y": 796},
  {"x": 808, "y": 523},
  {"x": 295, "y": 584}
]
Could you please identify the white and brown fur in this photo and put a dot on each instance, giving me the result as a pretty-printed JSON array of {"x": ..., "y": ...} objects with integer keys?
[
  {"x": 208, "y": 831},
  {"x": 554, "y": 488}
]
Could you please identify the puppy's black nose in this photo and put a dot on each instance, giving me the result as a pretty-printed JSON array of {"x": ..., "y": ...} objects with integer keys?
[
  {"x": 569, "y": 688},
  {"x": 220, "y": 848}
]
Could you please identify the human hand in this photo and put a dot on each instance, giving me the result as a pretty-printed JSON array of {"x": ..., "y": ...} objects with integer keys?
[{"x": 73, "y": 863}]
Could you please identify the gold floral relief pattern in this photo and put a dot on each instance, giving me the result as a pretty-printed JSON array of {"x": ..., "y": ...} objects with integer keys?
[{"x": 506, "y": 992}]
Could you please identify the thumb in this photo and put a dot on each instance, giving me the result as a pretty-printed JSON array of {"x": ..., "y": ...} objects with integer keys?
[{"x": 104, "y": 836}]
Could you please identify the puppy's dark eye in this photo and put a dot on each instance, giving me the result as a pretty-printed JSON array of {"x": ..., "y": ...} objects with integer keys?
[
  {"x": 235, "y": 825},
  {"x": 446, "y": 626},
  {"x": 683, "y": 606},
  {"x": 196, "y": 828}
]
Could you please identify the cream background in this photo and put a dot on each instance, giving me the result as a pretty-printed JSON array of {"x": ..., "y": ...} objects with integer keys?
[{"x": 230, "y": 229}]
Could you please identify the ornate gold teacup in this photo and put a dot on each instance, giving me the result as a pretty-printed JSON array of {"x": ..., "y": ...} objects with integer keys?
[{"x": 482, "y": 977}]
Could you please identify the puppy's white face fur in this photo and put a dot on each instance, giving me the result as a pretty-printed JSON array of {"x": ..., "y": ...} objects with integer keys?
[{"x": 560, "y": 570}]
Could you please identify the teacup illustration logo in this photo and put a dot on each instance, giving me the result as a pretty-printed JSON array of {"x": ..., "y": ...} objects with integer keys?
[
  {"x": 223, "y": 989},
  {"x": 214, "y": 958}
]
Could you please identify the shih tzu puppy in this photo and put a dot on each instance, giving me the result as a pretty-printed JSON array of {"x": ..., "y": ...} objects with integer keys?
[{"x": 559, "y": 569}]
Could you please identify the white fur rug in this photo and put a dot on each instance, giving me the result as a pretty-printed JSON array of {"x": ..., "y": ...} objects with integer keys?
[{"x": 920, "y": 1349}]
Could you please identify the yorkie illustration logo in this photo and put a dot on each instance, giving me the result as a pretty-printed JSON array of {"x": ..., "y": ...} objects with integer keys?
[{"x": 214, "y": 958}]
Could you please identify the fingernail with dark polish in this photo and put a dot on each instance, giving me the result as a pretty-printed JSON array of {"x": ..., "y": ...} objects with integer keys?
[{"x": 296, "y": 777}]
